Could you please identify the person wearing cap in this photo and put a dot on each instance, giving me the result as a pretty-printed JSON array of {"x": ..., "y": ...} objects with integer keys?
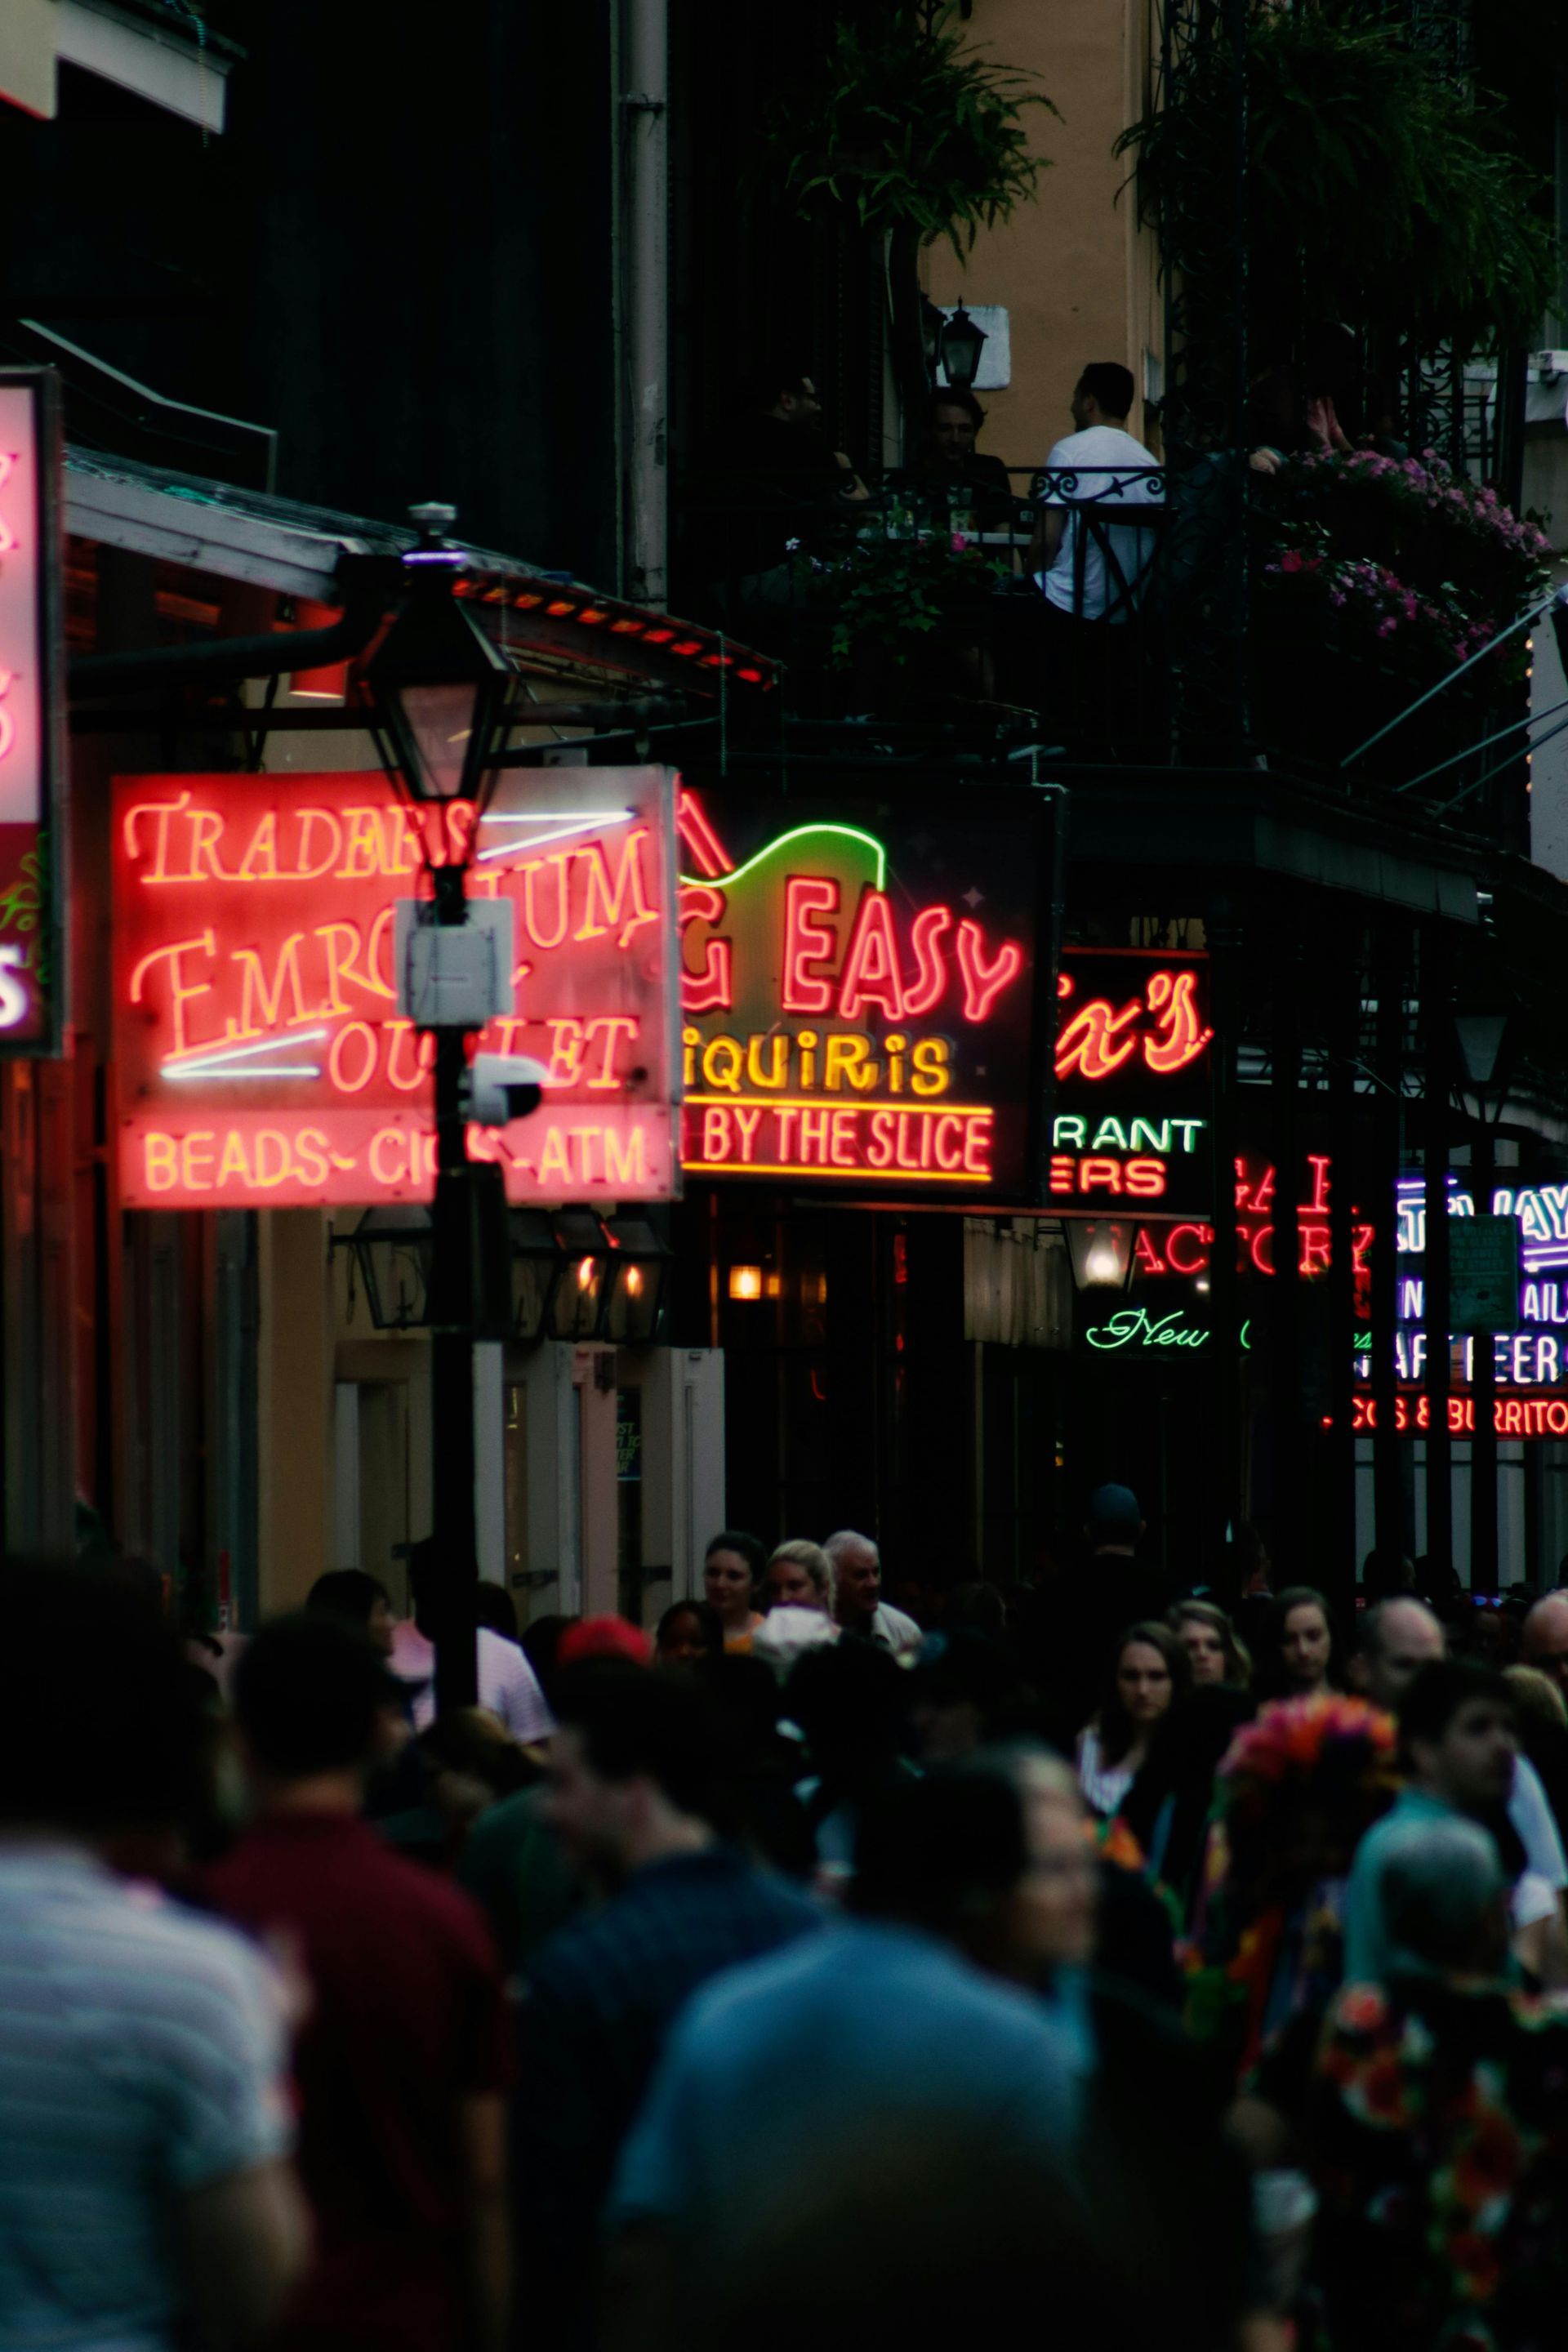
[{"x": 1092, "y": 1608}]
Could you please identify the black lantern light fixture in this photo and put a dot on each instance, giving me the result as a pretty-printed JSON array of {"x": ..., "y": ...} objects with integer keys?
[
  {"x": 1480, "y": 1035},
  {"x": 393, "y": 1248},
  {"x": 1100, "y": 1251},
  {"x": 536, "y": 1268},
  {"x": 636, "y": 1281},
  {"x": 443, "y": 689},
  {"x": 961, "y": 344},
  {"x": 932, "y": 320},
  {"x": 582, "y": 1292}
]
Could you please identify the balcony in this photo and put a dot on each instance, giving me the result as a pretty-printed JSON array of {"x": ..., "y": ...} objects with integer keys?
[{"x": 1211, "y": 615}]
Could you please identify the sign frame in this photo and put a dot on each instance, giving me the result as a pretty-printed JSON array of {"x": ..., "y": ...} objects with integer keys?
[
  {"x": 261, "y": 1061},
  {"x": 839, "y": 798},
  {"x": 52, "y": 821}
]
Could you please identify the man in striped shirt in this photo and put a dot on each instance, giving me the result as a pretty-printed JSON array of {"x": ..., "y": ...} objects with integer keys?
[{"x": 145, "y": 2133}]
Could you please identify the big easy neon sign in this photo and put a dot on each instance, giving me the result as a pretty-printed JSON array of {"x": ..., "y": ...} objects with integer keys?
[
  {"x": 260, "y": 1056},
  {"x": 858, "y": 985}
]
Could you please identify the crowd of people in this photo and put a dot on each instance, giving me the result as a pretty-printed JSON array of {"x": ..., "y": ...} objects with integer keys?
[{"x": 1184, "y": 1961}]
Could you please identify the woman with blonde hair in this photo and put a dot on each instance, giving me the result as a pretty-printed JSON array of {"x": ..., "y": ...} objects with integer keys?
[{"x": 799, "y": 1575}]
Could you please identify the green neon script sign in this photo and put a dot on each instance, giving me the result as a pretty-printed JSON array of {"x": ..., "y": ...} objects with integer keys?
[{"x": 1134, "y": 1330}]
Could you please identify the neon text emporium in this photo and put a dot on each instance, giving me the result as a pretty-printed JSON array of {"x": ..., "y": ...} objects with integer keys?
[
  {"x": 856, "y": 998},
  {"x": 260, "y": 1055}
]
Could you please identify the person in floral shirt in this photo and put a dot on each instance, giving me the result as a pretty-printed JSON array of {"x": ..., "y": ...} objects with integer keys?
[{"x": 1439, "y": 2129}]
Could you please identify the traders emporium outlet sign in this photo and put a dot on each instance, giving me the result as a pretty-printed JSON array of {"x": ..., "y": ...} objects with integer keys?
[
  {"x": 859, "y": 976},
  {"x": 260, "y": 1056}
]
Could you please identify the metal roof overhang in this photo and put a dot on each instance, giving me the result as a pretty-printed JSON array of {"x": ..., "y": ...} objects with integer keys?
[{"x": 296, "y": 550}]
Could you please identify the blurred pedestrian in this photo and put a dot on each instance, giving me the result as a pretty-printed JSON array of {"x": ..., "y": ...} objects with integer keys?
[
  {"x": 1215, "y": 1653},
  {"x": 1395, "y": 1639},
  {"x": 1300, "y": 1653},
  {"x": 1460, "y": 1747},
  {"x": 1091, "y": 1607},
  {"x": 858, "y": 1595},
  {"x": 1544, "y": 1643},
  {"x": 1296, "y": 1793},
  {"x": 1152, "y": 2148},
  {"x": 145, "y": 2189},
  {"x": 402, "y": 2056},
  {"x": 964, "y": 1690},
  {"x": 732, "y": 1574},
  {"x": 1148, "y": 1671},
  {"x": 359, "y": 1600},
  {"x": 786, "y": 1633},
  {"x": 799, "y": 1575},
  {"x": 1439, "y": 2129},
  {"x": 1169, "y": 1805},
  {"x": 884, "y": 2027},
  {"x": 508, "y": 1687},
  {"x": 688, "y": 1632},
  {"x": 604, "y": 1637},
  {"x": 634, "y": 1775},
  {"x": 850, "y": 1702}
]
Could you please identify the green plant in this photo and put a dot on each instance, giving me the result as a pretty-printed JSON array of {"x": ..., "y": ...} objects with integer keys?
[
  {"x": 893, "y": 593},
  {"x": 910, "y": 126},
  {"x": 1379, "y": 189}
]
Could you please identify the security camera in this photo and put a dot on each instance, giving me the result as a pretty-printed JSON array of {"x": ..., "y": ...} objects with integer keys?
[{"x": 504, "y": 1087}]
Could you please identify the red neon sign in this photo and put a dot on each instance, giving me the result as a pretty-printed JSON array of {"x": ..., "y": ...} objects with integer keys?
[
  {"x": 840, "y": 1021},
  {"x": 1162, "y": 1028},
  {"x": 1512, "y": 1416},
  {"x": 1184, "y": 1249},
  {"x": 260, "y": 1055}
]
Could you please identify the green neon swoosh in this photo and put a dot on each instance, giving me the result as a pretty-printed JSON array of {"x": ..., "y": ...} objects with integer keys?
[{"x": 800, "y": 833}]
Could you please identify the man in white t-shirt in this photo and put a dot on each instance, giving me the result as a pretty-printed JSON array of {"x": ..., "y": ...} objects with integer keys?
[
  {"x": 857, "y": 1598},
  {"x": 507, "y": 1685},
  {"x": 1111, "y": 468}
]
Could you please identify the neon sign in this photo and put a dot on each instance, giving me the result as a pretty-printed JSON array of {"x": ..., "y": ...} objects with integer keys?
[
  {"x": 1133, "y": 1118},
  {"x": 858, "y": 986},
  {"x": 1184, "y": 1249},
  {"x": 30, "y": 700},
  {"x": 260, "y": 1055},
  {"x": 1134, "y": 1328},
  {"x": 1512, "y": 1416}
]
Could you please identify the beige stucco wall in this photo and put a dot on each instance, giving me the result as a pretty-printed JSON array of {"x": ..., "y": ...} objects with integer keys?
[{"x": 1072, "y": 268}]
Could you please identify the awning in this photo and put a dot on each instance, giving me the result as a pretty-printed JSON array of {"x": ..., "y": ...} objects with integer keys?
[{"x": 277, "y": 543}]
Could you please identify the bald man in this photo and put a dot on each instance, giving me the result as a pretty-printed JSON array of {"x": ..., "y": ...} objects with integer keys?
[
  {"x": 1394, "y": 1641},
  {"x": 1544, "y": 1642}
]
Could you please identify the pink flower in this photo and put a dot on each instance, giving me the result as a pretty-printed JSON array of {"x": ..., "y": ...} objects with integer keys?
[{"x": 1386, "y": 628}]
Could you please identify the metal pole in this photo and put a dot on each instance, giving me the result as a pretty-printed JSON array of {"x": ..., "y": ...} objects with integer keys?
[
  {"x": 1340, "y": 1515},
  {"x": 1435, "y": 1320},
  {"x": 647, "y": 108},
  {"x": 1224, "y": 1288},
  {"x": 1483, "y": 1397},
  {"x": 1286, "y": 1532},
  {"x": 1387, "y": 1472},
  {"x": 452, "y": 1363}
]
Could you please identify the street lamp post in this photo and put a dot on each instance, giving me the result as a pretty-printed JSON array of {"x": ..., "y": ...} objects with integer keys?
[{"x": 443, "y": 698}]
